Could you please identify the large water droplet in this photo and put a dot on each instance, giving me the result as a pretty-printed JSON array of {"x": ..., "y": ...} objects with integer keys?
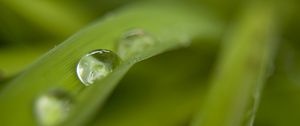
[
  {"x": 52, "y": 108},
  {"x": 134, "y": 42},
  {"x": 96, "y": 65}
]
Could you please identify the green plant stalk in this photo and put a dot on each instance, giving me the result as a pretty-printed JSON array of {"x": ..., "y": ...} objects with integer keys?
[
  {"x": 56, "y": 69},
  {"x": 242, "y": 70}
]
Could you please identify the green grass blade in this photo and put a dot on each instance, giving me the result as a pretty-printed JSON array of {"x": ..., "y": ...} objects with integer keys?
[
  {"x": 170, "y": 25},
  {"x": 241, "y": 71}
]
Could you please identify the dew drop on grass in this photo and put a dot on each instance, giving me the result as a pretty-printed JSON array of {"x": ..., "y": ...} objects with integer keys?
[
  {"x": 133, "y": 42},
  {"x": 96, "y": 65},
  {"x": 52, "y": 108}
]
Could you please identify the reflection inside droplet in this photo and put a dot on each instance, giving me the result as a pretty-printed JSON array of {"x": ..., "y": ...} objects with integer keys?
[
  {"x": 96, "y": 65},
  {"x": 133, "y": 42},
  {"x": 52, "y": 108}
]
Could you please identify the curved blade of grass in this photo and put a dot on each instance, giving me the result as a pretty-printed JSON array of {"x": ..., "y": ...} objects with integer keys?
[
  {"x": 170, "y": 25},
  {"x": 242, "y": 70}
]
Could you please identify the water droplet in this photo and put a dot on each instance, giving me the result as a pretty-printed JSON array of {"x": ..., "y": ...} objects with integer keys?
[
  {"x": 134, "y": 42},
  {"x": 52, "y": 108},
  {"x": 96, "y": 65}
]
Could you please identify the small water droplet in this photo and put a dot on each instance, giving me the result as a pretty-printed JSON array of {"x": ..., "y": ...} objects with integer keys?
[
  {"x": 52, "y": 108},
  {"x": 96, "y": 65},
  {"x": 133, "y": 42}
]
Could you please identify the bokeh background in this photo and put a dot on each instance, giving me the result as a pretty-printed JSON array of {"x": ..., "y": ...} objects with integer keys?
[{"x": 165, "y": 90}]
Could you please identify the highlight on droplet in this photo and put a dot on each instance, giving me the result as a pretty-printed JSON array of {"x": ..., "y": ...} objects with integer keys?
[
  {"x": 133, "y": 42},
  {"x": 96, "y": 65},
  {"x": 52, "y": 108}
]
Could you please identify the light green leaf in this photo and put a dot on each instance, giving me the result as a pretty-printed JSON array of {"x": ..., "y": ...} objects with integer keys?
[
  {"x": 171, "y": 26},
  {"x": 242, "y": 70}
]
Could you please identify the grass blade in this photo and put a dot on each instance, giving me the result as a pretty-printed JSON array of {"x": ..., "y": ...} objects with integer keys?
[
  {"x": 242, "y": 70},
  {"x": 56, "y": 69}
]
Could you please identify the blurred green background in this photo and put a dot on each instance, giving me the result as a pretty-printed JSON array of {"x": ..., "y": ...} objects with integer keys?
[{"x": 165, "y": 90}]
